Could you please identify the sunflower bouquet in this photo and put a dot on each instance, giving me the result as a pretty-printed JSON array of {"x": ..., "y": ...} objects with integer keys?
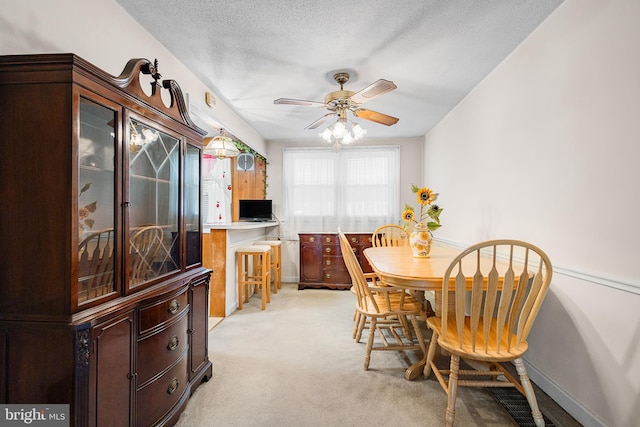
[{"x": 429, "y": 212}]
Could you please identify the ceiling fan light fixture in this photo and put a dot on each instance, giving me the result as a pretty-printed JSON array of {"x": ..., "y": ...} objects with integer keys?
[
  {"x": 358, "y": 131},
  {"x": 343, "y": 132},
  {"x": 348, "y": 138},
  {"x": 326, "y": 135},
  {"x": 220, "y": 146},
  {"x": 339, "y": 129},
  {"x": 342, "y": 101},
  {"x": 138, "y": 138}
]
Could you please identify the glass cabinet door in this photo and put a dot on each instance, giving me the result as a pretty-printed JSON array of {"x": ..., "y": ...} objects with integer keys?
[
  {"x": 192, "y": 204},
  {"x": 96, "y": 195},
  {"x": 154, "y": 178}
]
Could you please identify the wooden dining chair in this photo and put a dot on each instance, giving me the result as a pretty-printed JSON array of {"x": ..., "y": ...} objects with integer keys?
[
  {"x": 390, "y": 235},
  {"x": 144, "y": 245},
  {"x": 384, "y": 307},
  {"x": 96, "y": 264},
  {"x": 491, "y": 295},
  {"x": 395, "y": 235}
]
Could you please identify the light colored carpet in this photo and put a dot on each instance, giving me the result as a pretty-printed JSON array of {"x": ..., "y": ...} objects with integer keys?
[{"x": 295, "y": 364}]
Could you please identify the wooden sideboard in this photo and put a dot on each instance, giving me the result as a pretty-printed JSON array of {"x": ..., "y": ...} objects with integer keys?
[{"x": 321, "y": 264}]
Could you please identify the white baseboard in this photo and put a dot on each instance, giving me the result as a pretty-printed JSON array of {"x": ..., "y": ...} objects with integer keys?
[{"x": 568, "y": 403}]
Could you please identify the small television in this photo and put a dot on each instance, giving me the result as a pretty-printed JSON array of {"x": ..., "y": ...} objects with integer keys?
[{"x": 255, "y": 210}]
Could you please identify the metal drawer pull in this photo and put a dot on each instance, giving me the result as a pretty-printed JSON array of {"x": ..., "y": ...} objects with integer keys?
[
  {"x": 354, "y": 240},
  {"x": 174, "y": 306},
  {"x": 328, "y": 250},
  {"x": 173, "y": 386},
  {"x": 312, "y": 239},
  {"x": 328, "y": 262},
  {"x": 174, "y": 342},
  {"x": 327, "y": 239}
]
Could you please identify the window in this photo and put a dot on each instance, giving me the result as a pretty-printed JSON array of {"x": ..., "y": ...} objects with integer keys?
[{"x": 356, "y": 189}]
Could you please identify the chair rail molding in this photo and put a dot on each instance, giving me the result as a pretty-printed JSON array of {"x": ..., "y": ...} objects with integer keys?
[{"x": 610, "y": 282}]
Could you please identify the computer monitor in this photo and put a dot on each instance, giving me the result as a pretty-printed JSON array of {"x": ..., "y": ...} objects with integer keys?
[{"x": 255, "y": 210}]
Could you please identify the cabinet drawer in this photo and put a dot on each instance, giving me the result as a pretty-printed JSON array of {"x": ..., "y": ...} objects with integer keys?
[
  {"x": 156, "y": 398},
  {"x": 336, "y": 276},
  {"x": 155, "y": 314},
  {"x": 333, "y": 263},
  {"x": 354, "y": 239},
  {"x": 331, "y": 250},
  {"x": 157, "y": 351},
  {"x": 330, "y": 239},
  {"x": 310, "y": 238},
  {"x": 365, "y": 240}
]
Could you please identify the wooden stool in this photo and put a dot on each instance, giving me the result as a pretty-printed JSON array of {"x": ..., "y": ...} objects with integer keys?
[
  {"x": 276, "y": 261},
  {"x": 254, "y": 264}
]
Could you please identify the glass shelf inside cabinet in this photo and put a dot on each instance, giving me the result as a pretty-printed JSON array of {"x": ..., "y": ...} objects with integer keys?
[
  {"x": 96, "y": 193},
  {"x": 154, "y": 168}
]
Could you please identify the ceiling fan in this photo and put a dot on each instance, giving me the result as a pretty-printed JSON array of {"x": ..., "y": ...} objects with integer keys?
[{"x": 341, "y": 101}]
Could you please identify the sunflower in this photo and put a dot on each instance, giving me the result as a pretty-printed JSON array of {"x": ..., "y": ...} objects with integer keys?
[
  {"x": 408, "y": 215},
  {"x": 426, "y": 196}
]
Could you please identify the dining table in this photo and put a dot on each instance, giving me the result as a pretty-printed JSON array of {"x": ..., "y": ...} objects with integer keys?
[{"x": 396, "y": 266}]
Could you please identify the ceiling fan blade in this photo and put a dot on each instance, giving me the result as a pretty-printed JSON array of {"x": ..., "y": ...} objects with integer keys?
[
  {"x": 320, "y": 121},
  {"x": 377, "y": 88},
  {"x": 374, "y": 116},
  {"x": 289, "y": 101}
]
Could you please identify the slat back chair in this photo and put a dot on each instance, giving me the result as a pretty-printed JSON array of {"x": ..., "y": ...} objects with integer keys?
[
  {"x": 390, "y": 235},
  {"x": 144, "y": 245},
  {"x": 497, "y": 288},
  {"x": 387, "y": 308},
  {"x": 96, "y": 264}
]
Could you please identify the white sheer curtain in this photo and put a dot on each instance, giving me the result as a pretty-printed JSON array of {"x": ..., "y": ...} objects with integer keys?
[{"x": 355, "y": 188}]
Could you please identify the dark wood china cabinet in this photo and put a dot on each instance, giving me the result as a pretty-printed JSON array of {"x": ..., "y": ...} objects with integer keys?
[{"x": 103, "y": 296}]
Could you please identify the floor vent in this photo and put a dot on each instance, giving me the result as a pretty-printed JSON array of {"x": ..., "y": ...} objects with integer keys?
[{"x": 516, "y": 405}]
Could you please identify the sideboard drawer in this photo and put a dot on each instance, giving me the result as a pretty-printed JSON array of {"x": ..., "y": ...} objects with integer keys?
[
  {"x": 156, "y": 398},
  {"x": 331, "y": 250},
  {"x": 159, "y": 350},
  {"x": 330, "y": 239},
  {"x": 337, "y": 277},
  {"x": 163, "y": 310},
  {"x": 311, "y": 238}
]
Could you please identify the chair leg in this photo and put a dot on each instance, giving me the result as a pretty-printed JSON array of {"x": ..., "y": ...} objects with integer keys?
[
  {"x": 356, "y": 323},
  {"x": 452, "y": 392},
  {"x": 405, "y": 327},
  {"x": 433, "y": 346},
  {"x": 372, "y": 331},
  {"x": 529, "y": 393},
  {"x": 361, "y": 322}
]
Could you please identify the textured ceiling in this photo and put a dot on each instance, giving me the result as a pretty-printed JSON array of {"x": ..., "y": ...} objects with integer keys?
[{"x": 250, "y": 52}]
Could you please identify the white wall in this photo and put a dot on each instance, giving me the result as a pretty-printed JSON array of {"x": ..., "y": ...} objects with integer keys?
[
  {"x": 101, "y": 32},
  {"x": 546, "y": 149},
  {"x": 411, "y": 153}
]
